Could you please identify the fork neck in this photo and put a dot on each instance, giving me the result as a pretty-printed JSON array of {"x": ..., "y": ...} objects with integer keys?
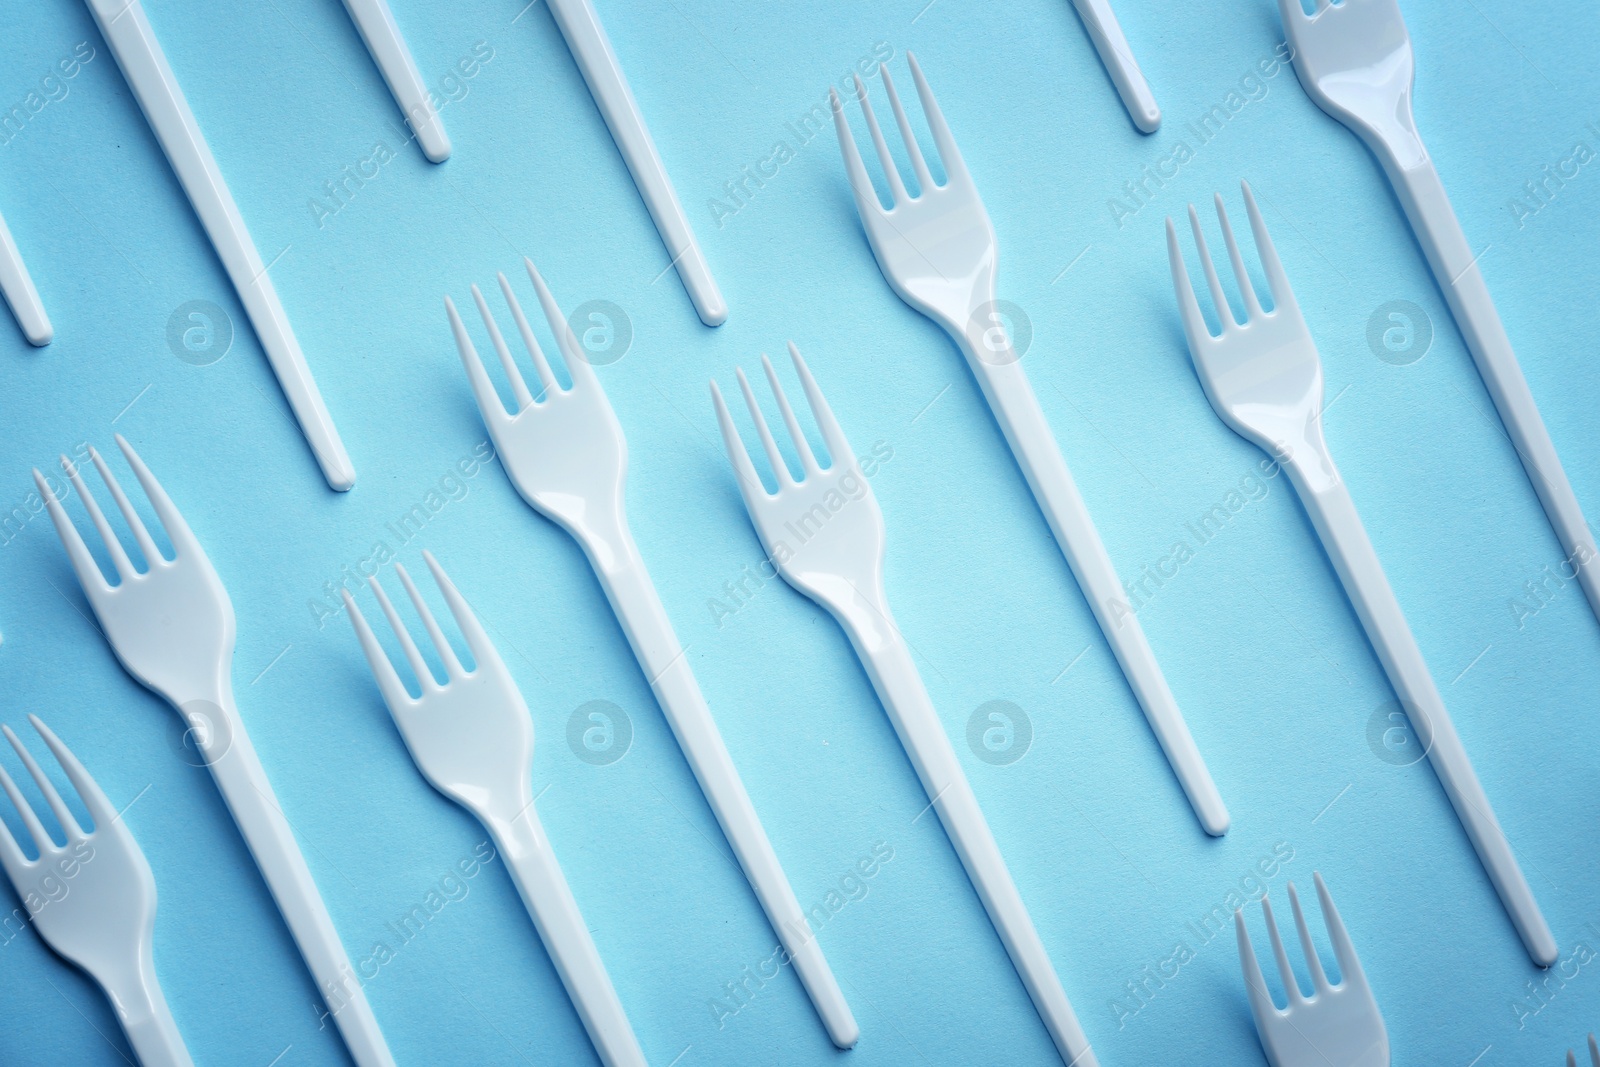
[{"x": 142, "y": 1011}]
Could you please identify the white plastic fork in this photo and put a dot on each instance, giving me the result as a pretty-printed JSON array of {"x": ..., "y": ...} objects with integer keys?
[
  {"x": 17, "y": 287},
  {"x": 172, "y": 628},
  {"x": 93, "y": 900},
  {"x": 1109, "y": 41},
  {"x": 1594, "y": 1054},
  {"x": 1354, "y": 60},
  {"x": 126, "y": 29},
  {"x": 1337, "y": 1025},
  {"x": 566, "y": 455},
  {"x": 825, "y": 533},
  {"x": 1264, "y": 378},
  {"x": 938, "y": 251},
  {"x": 382, "y": 36},
  {"x": 472, "y": 739}
]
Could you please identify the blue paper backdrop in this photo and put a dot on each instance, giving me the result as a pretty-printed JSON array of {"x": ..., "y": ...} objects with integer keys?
[{"x": 1260, "y": 646}]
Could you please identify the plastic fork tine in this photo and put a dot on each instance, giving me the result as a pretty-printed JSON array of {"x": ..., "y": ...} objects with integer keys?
[
  {"x": 1252, "y": 306},
  {"x": 389, "y": 683},
  {"x": 419, "y": 666},
  {"x": 807, "y": 460},
  {"x": 1319, "y": 980},
  {"x": 519, "y": 388},
  {"x": 147, "y": 546},
  {"x": 1277, "y": 280},
  {"x": 860, "y": 183},
  {"x": 1255, "y": 982},
  {"x": 1349, "y": 966},
  {"x": 483, "y": 650},
  {"x": 780, "y": 468},
  {"x": 452, "y": 665},
  {"x": 1218, "y": 297},
  {"x": 1594, "y": 1052},
  {"x": 897, "y": 188},
  {"x": 178, "y": 532},
  {"x": 108, "y": 536},
  {"x": 41, "y": 839},
  {"x": 918, "y": 164},
  {"x": 540, "y": 364},
  {"x": 64, "y": 817},
  {"x": 94, "y": 798},
  {"x": 738, "y": 455},
  {"x": 490, "y": 406},
  {"x": 838, "y": 447},
  {"x": 578, "y": 368},
  {"x": 1194, "y": 321},
  {"x": 83, "y": 564},
  {"x": 949, "y": 154},
  {"x": 1291, "y": 984}
]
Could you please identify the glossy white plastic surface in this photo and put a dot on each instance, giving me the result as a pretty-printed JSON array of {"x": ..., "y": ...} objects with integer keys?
[
  {"x": 938, "y": 251},
  {"x": 1264, "y": 378},
  {"x": 378, "y": 29},
  {"x": 172, "y": 627},
  {"x": 1337, "y": 1025},
  {"x": 472, "y": 738},
  {"x": 17, "y": 287},
  {"x": 1355, "y": 61},
  {"x": 105, "y": 923},
  {"x": 839, "y": 564},
  {"x": 591, "y": 48},
  {"x": 1106, "y": 33},
  {"x": 566, "y": 455},
  {"x": 124, "y": 26}
]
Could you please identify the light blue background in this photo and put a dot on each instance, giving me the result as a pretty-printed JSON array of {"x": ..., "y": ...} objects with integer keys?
[{"x": 1256, "y": 638}]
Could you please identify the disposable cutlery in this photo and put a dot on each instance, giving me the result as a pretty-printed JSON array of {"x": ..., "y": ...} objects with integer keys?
[
  {"x": 836, "y": 559},
  {"x": 172, "y": 627},
  {"x": 472, "y": 739},
  {"x": 1337, "y": 1025},
  {"x": 17, "y": 287},
  {"x": 1264, "y": 378},
  {"x": 1594, "y": 1054},
  {"x": 1106, "y": 33},
  {"x": 382, "y": 36},
  {"x": 124, "y": 26},
  {"x": 565, "y": 453},
  {"x": 1354, "y": 60},
  {"x": 937, "y": 250},
  {"x": 92, "y": 899}
]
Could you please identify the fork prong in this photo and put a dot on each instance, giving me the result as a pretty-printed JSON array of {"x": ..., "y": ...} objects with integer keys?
[
  {"x": 147, "y": 545},
  {"x": 41, "y": 838},
  {"x": 1291, "y": 984},
  {"x": 1255, "y": 983},
  {"x": 1594, "y": 1052},
  {"x": 897, "y": 188},
  {"x": 1219, "y": 299},
  {"x": 807, "y": 461},
  {"x": 389, "y": 684},
  {"x": 1294, "y": 16},
  {"x": 750, "y": 486},
  {"x": 1350, "y": 972},
  {"x": 178, "y": 532},
  {"x": 483, "y": 650},
  {"x": 452, "y": 665},
  {"x": 918, "y": 165},
  {"x": 949, "y": 154},
  {"x": 419, "y": 666},
  {"x": 780, "y": 467},
  {"x": 1277, "y": 280},
  {"x": 64, "y": 817},
  {"x": 490, "y": 406},
  {"x": 838, "y": 445},
  {"x": 860, "y": 184},
  {"x": 1319, "y": 980},
  {"x": 94, "y": 798},
  {"x": 88, "y": 571},
  {"x": 1252, "y": 306},
  {"x": 519, "y": 388},
  {"x": 1194, "y": 321},
  {"x": 578, "y": 368},
  {"x": 547, "y": 377},
  {"x": 108, "y": 537}
]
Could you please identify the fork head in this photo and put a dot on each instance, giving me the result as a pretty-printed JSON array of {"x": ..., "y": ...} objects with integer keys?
[
  {"x": 562, "y": 447},
  {"x": 1337, "y": 1025},
  {"x": 93, "y": 898},
  {"x": 1263, "y": 376},
  {"x": 471, "y": 735},
  {"x": 1355, "y": 61},
  {"x": 170, "y": 624},
  {"x": 823, "y": 530},
  {"x": 937, "y": 249}
]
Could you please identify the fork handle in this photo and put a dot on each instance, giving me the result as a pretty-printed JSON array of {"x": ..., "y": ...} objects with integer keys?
[
  {"x": 1455, "y": 269},
  {"x": 899, "y": 686},
  {"x": 633, "y": 597},
  {"x": 376, "y": 24},
  {"x": 142, "y": 1010},
  {"x": 1334, "y": 515},
  {"x": 248, "y": 794},
  {"x": 1016, "y": 408},
  {"x": 527, "y": 855}
]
